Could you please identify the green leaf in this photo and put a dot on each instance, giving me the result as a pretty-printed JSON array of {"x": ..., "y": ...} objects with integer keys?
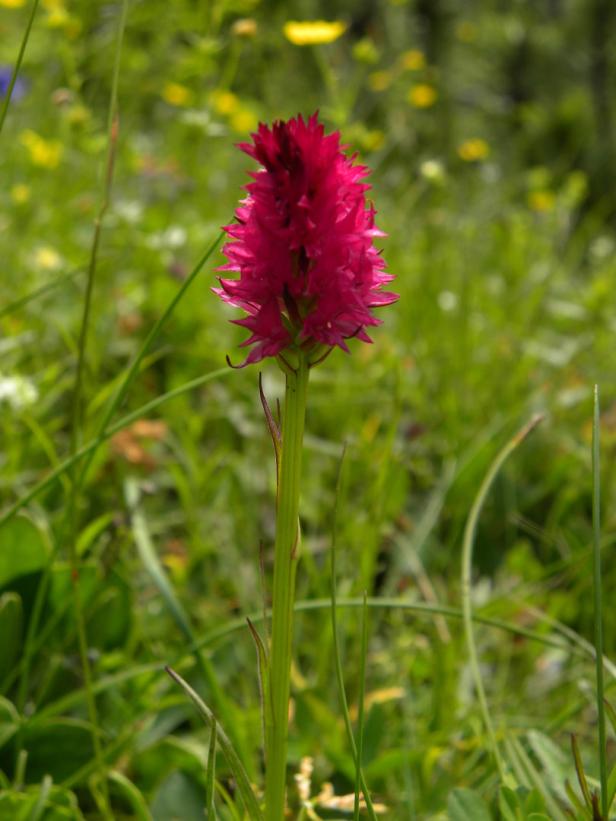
[
  {"x": 579, "y": 768},
  {"x": 57, "y": 747},
  {"x": 92, "y": 531},
  {"x": 554, "y": 761},
  {"x": 11, "y": 624},
  {"x": 110, "y": 620},
  {"x": 9, "y": 721},
  {"x": 178, "y": 798},
  {"x": 131, "y": 795},
  {"x": 611, "y": 714},
  {"x": 23, "y": 550},
  {"x": 465, "y": 804},
  {"x": 210, "y": 810},
  {"x": 509, "y": 805},
  {"x": 233, "y": 760}
]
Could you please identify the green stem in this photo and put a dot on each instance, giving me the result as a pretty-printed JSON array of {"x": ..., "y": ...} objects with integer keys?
[
  {"x": 286, "y": 553},
  {"x": 20, "y": 57},
  {"x": 598, "y": 607}
]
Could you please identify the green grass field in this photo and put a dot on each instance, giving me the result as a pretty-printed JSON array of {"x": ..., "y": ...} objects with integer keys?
[{"x": 487, "y": 129}]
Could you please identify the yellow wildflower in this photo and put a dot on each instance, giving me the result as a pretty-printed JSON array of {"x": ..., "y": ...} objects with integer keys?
[
  {"x": 422, "y": 95},
  {"x": 313, "y": 32},
  {"x": 243, "y": 121},
  {"x": 20, "y": 193},
  {"x": 12, "y": 4},
  {"x": 413, "y": 60},
  {"x": 44, "y": 153},
  {"x": 542, "y": 200},
  {"x": 379, "y": 80},
  {"x": 225, "y": 102},
  {"x": 176, "y": 94},
  {"x": 47, "y": 258},
  {"x": 244, "y": 27},
  {"x": 473, "y": 150}
]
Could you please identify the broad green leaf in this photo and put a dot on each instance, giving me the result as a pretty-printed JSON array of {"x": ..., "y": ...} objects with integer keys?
[
  {"x": 178, "y": 797},
  {"x": 465, "y": 804},
  {"x": 23, "y": 550},
  {"x": 110, "y": 620},
  {"x": 57, "y": 747}
]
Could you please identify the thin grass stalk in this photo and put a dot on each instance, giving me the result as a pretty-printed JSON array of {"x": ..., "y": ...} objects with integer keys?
[
  {"x": 286, "y": 555},
  {"x": 466, "y": 579},
  {"x": 597, "y": 596},
  {"x": 76, "y": 421},
  {"x": 336, "y": 645},
  {"x": 360, "y": 706},
  {"x": 18, "y": 62}
]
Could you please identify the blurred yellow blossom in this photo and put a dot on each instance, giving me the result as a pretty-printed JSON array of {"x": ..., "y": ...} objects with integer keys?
[
  {"x": 47, "y": 258},
  {"x": 225, "y": 102},
  {"x": 176, "y": 94},
  {"x": 313, "y": 32},
  {"x": 422, "y": 95},
  {"x": 473, "y": 150},
  {"x": 413, "y": 60},
  {"x": 244, "y": 27},
  {"x": 20, "y": 193},
  {"x": 44, "y": 153},
  {"x": 58, "y": 16},
  {"x": 12, "y": 4},
  {"x": 243, "y": 121},
  {"x": 379, "y": 80},
  {"x": 542, "y": 200}
]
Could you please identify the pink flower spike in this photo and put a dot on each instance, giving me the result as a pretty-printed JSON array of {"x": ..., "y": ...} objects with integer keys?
[{"x": 303, "y": 244}]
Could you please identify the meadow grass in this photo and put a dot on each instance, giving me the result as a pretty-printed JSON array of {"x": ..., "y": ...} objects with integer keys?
[{"x": 134, "y": 461}]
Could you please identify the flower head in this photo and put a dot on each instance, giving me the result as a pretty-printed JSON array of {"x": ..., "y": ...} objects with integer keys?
[
  {"x": 313, "y": 32},
  {"x": 303, "y": 245}
]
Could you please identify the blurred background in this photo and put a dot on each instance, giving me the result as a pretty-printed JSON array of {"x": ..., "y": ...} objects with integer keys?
[{"x": 489, "y": 129}]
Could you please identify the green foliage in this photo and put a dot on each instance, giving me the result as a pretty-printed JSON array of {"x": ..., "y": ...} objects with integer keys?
[{"x": 498, "y": 202}]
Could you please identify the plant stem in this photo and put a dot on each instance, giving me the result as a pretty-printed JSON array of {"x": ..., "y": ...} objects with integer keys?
[
  {"x": 598, "y": 607},
  {"x": 286, "y": 554},
  {"x": 20, "y": 57}
]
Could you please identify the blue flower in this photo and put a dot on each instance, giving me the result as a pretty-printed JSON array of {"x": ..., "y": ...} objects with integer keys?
[{"x": 19, "y": 89}]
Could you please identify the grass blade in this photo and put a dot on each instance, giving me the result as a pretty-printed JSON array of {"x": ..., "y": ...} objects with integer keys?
[
  {"x": 579, "y": 769},
  {"x": 210, "y": 785},
  {"x": 91, "y": 446},
  {"x": 233, "y": 760},
  {"x": 263, "y": 674},
  {"x": 152, "y": 564},
  {"x": 20, "y": 57},
  {"x": 360, "y": 705},
  {"x": 337, "y": 658},
  {"x": 597, "y": 595},
  {"x": 466, "y": 579}
]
